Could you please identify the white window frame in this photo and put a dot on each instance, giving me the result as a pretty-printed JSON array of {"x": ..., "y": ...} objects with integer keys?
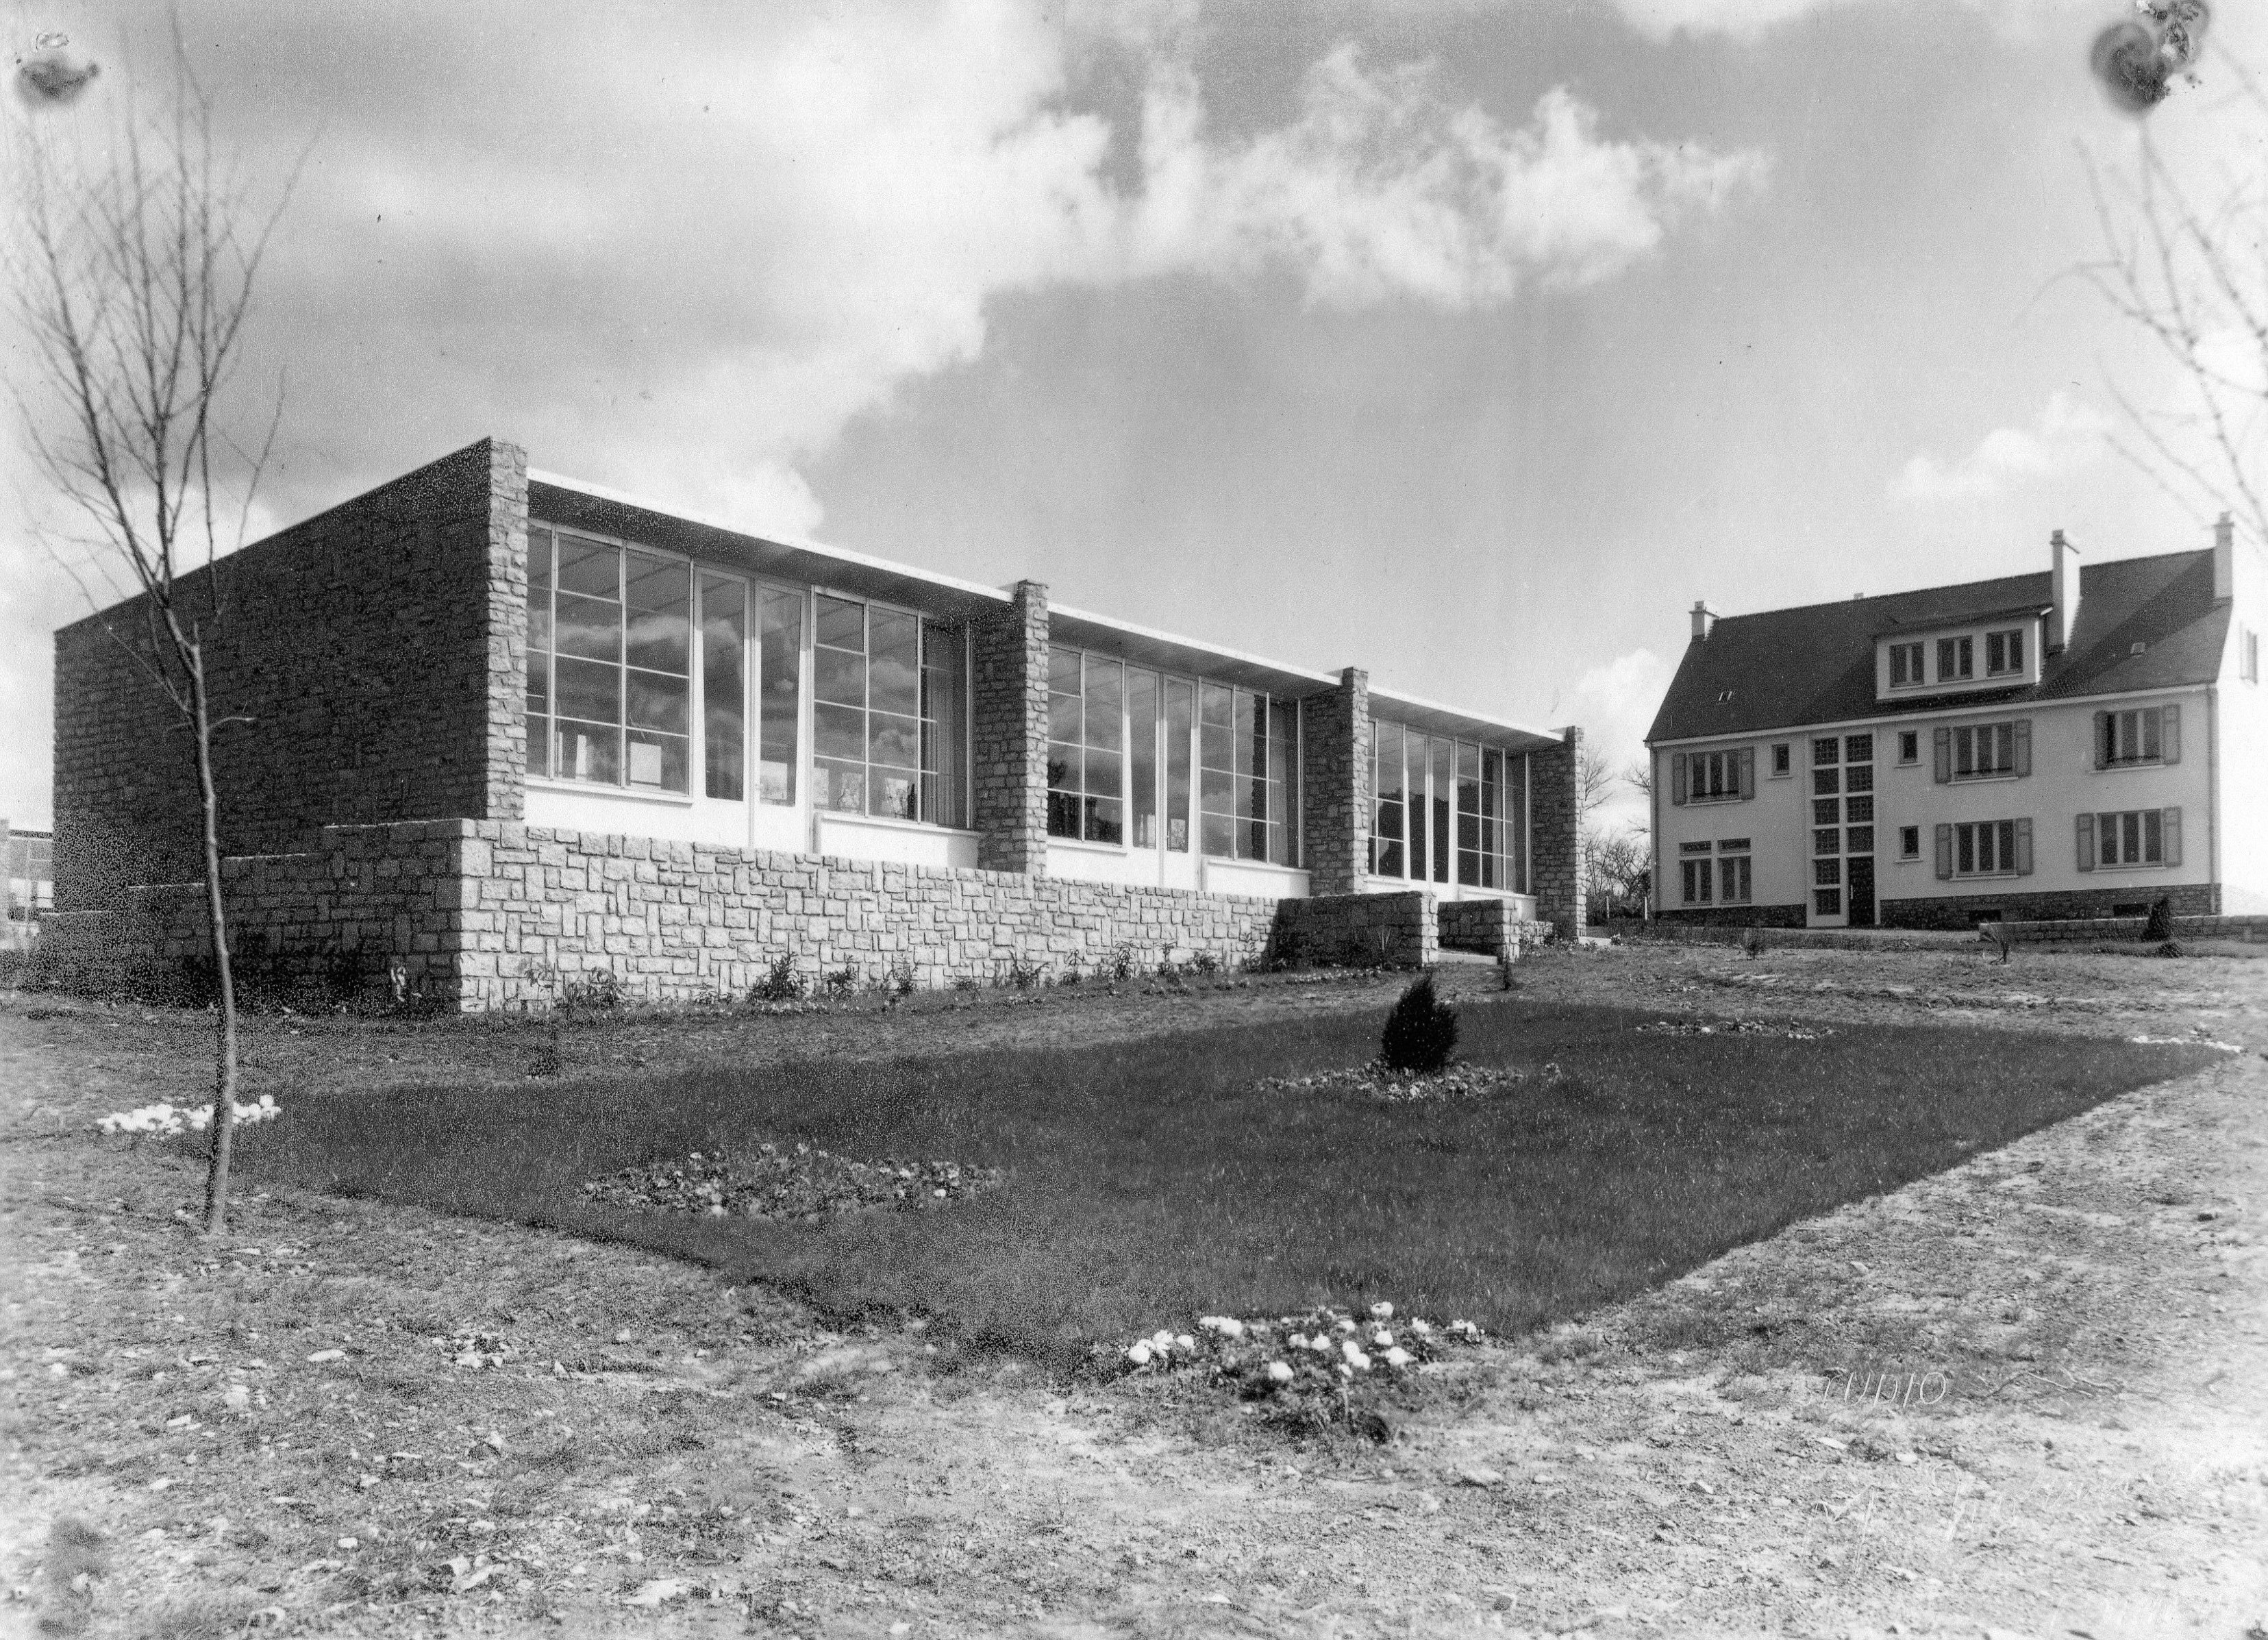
[
  {"x": 1908, "y": 657},
  {"x": 2010, "y": 641},
  {"x": 1977, "y": 831}
]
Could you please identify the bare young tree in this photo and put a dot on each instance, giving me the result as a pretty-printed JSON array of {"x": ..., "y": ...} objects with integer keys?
[
  {"x": 133, "y": 279},
  {"x": 2184, "y": 263},
  {"x": 1594, "y": 781}
]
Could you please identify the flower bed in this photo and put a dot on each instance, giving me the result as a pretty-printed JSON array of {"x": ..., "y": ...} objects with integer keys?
[
  {"x": 169, "y": 1120},
  {"x": 778, "y": 1182},
  {"x": 1403, "y": 1087},
  {"x": 1737, "y": 1028},
  {"x": 1307, "y": 1369}
]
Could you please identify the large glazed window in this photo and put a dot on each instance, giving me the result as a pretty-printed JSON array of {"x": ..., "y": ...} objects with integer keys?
[
  {"x": 1087, "y": 730},
  {"x": 610, "y": 645},
  {"x": 878, "y": 675},
  {"x": 779, "y": 692},
  {"x": 1247, "y": 744},
  {"x": 1442, "y": 806},
  {"x": 723, "y": 687}
]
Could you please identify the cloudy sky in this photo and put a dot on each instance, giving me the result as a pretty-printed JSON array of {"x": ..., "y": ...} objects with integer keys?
[{"x": 1470, "y": 341}]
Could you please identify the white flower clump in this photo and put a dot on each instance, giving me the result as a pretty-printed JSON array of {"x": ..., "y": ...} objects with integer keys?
[
  {"x": 1327, "y": 1351},
  {"x": 169, "y": 1120}
]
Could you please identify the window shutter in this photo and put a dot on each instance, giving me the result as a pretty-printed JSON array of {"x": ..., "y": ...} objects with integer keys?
[
  {"x": 2169, "y": 735},
  {"x": 2173, "y": 824},
  {"x": 1747, "y": 772},
  {"x": 1944, "y": 849},
  {"x": 1944, "y": 738},
  {"x": 2087, "y": 843},
  {"x": 2023, "y": 745},
  {"x": 1677, "y": 777},
  {"x": 2102, "y": 738},
  {"x": 2023, "y": 848}
]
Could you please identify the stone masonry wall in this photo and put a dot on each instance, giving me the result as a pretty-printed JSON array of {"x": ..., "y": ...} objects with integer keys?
[
  {"x": 377, "y": 650},
  {"x": 1960, "y": 911},
  {"x": 1398, "y": 930},
  {"x": 1008, "y": 734},
  {"x": 1556, "y": 835},
  {"x": 1335, "y": 785},
  {"x": 1486, "y": 925},
  {"x": 485, "y": 914}
]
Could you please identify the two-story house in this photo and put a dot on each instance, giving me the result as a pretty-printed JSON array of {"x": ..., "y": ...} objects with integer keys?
[{"x": 2080, "y": 741}]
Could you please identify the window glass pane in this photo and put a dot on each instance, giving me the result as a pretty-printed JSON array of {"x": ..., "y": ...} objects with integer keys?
[
  {"x": 1965, "y": 837},
  {"x": 779, "y": 706},
  {"x": 591, "y": 568},
  {"x": 657, "y": 701},
  {"x": 893, "y": 663},
  {"x": 538, "y": 563},
  {"x": 1385, "y": 828},
  {"x": 1279, "y": 845},
  {"x": 1106, "y": 704},
  {"x": 724, "y": 686},
  {"x": 1215, "y": 702},
  {"x": 945, "y": 725},
  {"x": 658, "y": 761},
  {"x": 2130, "y": 835},
  {"x": 1105, "y": 820},
  {"x": 2153, "y": 837},
  {"x": 1142, "y": 756},
  {"x": 1420, "y": 811},
  {"x": 1826, "y": 751},
  {"x": 660, "y": 599},
  {"x": 1857, "y": 809},
  {"x": 1860, "y": 839},
  {"x": 893, "y": 793},
  {"x": 1217, "y": 839},
  {"x": 590, "y": 690},
  {"x": 1827, "y": 901},
  {"x": 842, "y": 624},
  {"x": 1824, "y": 781},
  {"x": 589, "y": 628},
  {"x": 1063, "y": 714},
  {"x": 1859, "y": 779},
  {"x": 1181, "y": 709},
  {"x": 591, "y": 752},
  {"x": 1103, "y": 777},
  {"x": 1493, "y": 799},
  {"x": 838, "y": 677},
  {"x": 842, "y": 787},
  {"x": 1824, "y": 841},
  {"x": 894, "y": 740},
  {"x": 1825, "y": 812},
  {"x": 840, "y": 732},
  {"x": 1062, "y": 670}
]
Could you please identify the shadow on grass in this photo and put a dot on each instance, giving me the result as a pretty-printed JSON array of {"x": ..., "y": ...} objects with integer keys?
[{"x": 1152, "y": 1180}]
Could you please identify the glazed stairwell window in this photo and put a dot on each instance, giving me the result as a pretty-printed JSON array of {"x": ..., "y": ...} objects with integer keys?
[
  {"x": 2137, "y": 735},
  {"x": 609, "y": 663},
  {"x": 1728, "y": 776},
  {"x": 2001, "y": 751},
  {"x": 888, "y": 713}
]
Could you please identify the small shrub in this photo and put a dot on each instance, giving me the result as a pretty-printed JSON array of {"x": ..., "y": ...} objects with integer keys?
[
  {"x": 1070, "y": 973},
  {"x": 2160, "y": 929},
  {"x": 843, "y": 983},
  {"x": 1025, "y": 976},
  {"x": 1204, "y": 964},
  {"x": 780, "y": 983},
  {"x": 967, "y": 983},
  {"x": 899, "y": 982},
  {"x": 600, "y": 992},
  {"x": 1421, "y": 1033},
  {"x": 1121, "y": 966}
]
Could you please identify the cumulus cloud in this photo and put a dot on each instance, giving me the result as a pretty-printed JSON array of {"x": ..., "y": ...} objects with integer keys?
[
  {"x": 1615, "y": 702},
  {"x": 2069, "y": 435},
  {"x": 1747, "y": 19}
]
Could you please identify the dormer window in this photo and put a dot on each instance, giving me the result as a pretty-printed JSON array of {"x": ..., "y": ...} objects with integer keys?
[
  {"x": 1905, "y": 666},
  {"x": 2004, "y": 652},
  {"x": 1956, "y": 659}
]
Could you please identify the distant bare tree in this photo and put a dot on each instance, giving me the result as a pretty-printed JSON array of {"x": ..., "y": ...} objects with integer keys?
[
  {"x": 1615, "y": 865},
  {"x": 2187, "y": 270},
  {"x": 1594, "y": 781},
  {"x": 133, "y": 276}
]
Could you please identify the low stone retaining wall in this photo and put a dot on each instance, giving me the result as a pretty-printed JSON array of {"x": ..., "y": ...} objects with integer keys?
[
  {"x": 477, "y": 915},
  {"x": 2103, "y": 930}
]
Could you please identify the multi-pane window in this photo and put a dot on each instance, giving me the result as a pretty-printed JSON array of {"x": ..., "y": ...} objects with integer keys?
[
  {"x": 610, "y": 646},
  {"x": 1956, "y": 659},
  {"x": 2129, "y": 837},
  {"x": 1715, "y": 775},
  {"x": 1733, "y": 872},
  {"x": 2004, "y": 652},
  {"x": 1442, "y": 807},
  {"x": 779, "y": 692},
  {"x": 2148, "y": 734},
  {"x": 1086, "y": 702},
  {"x": 1985, "y": 848},
  {"x": 1842, "y": 813},
  {"x": 723, "y": 687},
  {"x": 1909, "y": 746},
  {"x": 1697, "y": 875},
  {"x": 1982, "y": 751},
  {"x": 887, "y": 714},
  {"x": 1910, "y": 843},
  {"x": 1780, "y": 759},
  {"x": 1905, "y": 666},
  {"x": 1248, "y": 749}
]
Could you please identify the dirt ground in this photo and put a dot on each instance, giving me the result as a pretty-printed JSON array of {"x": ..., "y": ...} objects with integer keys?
[{"x": 2024, "y": 1397}]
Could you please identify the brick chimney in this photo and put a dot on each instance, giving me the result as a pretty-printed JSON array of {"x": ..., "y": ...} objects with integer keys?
[
  {"x": 2224, "y": 557},
  {"x": 2063, "y": 577},
  {"x": 1704, "y": 618}
]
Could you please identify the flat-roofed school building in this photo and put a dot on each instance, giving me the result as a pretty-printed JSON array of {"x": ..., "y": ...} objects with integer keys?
[{"x": 506, "y": 729}]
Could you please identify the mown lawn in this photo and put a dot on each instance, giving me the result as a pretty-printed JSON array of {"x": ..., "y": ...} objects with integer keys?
[{"x": 1152, "y": 1181}]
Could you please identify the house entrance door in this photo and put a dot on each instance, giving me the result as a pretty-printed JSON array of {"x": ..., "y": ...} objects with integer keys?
[{"x": 1861, "y": 871}]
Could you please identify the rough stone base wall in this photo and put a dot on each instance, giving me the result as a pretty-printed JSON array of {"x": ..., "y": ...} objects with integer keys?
[
  {"x": 1733, "y": 917},
  {"x": 1960, "y": 911},
  {"x": 1485, "y": 925},
  {"x": 2097, "y": 930},
  {"x": 473, "y": 916},
  {"x": 1392, "y": 930}
]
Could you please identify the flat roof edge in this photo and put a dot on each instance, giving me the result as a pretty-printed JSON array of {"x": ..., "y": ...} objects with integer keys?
[
  {"x": 796, "y": 543},
  {"x": 1417, "y": 702},
  {"x": 1135, "y": 630}
]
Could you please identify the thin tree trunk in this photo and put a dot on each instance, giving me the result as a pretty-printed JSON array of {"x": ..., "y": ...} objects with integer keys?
[{"x": 223, "y": 1114}]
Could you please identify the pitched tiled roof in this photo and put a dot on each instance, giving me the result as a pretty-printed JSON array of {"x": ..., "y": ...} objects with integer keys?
[{"x": 1787, "y": 667}]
